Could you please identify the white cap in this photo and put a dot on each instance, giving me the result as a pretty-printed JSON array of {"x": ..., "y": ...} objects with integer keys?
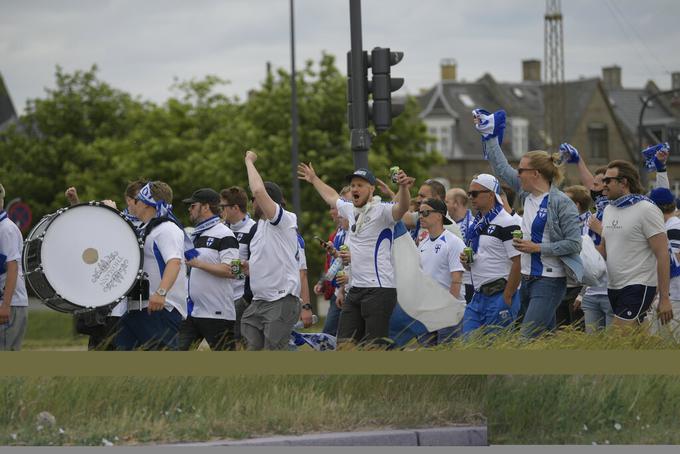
[{"x": 489, "y": 182}]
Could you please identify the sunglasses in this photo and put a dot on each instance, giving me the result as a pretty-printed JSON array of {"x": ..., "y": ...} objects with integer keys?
[
  {"x": 474, "y": 194},
  {"x": 606, "y": 180},
  {"x": 425, "y": 213}
]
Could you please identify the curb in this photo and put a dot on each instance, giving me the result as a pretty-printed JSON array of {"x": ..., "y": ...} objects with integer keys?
[{"x": 443, "y": 436}]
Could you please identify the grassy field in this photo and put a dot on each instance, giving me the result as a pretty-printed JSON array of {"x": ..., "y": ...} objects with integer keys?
[
  {"x": 583, "y": 410},
  {"x": 141, "y": 410}
]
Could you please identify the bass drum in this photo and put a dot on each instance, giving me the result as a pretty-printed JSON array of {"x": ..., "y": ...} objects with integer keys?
[{"x": 83, "y": 257}]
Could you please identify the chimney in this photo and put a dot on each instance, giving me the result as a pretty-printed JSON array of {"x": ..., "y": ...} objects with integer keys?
[
  {"x": 531, "y": 70},
  {"x": 675, "y": 80},
  {"x": 448, "y": 69},
  {"x": 611, "y": 77}
]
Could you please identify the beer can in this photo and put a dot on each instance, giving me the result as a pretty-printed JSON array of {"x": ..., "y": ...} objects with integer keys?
[
  {"x": 470, "y": 254},
  {"x": 517, "y": 234},
  {"x": 236, "y": 267},
  {"x": 343, "y": 248},
  {"x": 393, "y": 173},
  {"x": 339, "y": 274}
]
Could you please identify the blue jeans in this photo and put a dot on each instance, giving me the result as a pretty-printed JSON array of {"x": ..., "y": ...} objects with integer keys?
[
  {"x": 330, "y": 326},
  {"x": 490, "y": 312},
  {"x": 157, "y": 330},
  {"x": 598, "y": 312},
  {"x": 540, "y": 298}
]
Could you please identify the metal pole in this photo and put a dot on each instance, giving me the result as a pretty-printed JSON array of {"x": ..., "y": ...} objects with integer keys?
[
  {"x": 645, "y": 104},
  {"x": 294, "y": 119},
  {"x": 360, "y": 138}
]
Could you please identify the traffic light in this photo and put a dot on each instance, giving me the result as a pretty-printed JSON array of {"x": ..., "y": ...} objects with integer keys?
[
  {"x": 381, "y": 87},
  {"x": 353, "y": 106}
]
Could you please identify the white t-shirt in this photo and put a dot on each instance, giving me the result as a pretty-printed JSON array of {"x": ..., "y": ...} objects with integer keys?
[
  {"x": 213, "y": 296},
  {"x": 439, "y": 257},
  {"x": 626, "y": 231},
  {"x": 370, "y": 244},
  {"x": 463, "y": 225},
  {"x": 164, "y": 243},
  {"x": 673, "y": 232},
  {"x": 11, "y": 244},
  {"x": 241, "y": 230},
  {"x": 538, "y": 264},
  {"x": 492, "y": 260},
  {"x": 274, "y": 257}
]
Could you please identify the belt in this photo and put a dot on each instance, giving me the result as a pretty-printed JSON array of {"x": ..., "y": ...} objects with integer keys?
[
  {"x": 493, "y": 287},
  {"x": 527, "y": 278}
]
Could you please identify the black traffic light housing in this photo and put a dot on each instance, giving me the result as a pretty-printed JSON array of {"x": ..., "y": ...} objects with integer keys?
[{"x": 381, "y": 87}]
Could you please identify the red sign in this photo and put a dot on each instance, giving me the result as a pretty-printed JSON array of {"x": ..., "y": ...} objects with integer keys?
[{"x": 21, "y": 214}]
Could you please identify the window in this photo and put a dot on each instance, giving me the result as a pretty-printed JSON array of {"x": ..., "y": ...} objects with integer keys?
[
  {"x": 466, "y": 100},
  {"x": 520, "y": 136},
  {"x": 598, "y": 139},
  {"x": 441, "y": 130}
]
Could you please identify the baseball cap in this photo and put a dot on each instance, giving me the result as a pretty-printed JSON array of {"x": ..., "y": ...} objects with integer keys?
[
  {"x": 362, "y": 173},
  {"x": 662, "y": 196},
  {"x": 439, "y": 207},
  {"x": 205, "y": 195},
  {"x": 489, "y": 182}
]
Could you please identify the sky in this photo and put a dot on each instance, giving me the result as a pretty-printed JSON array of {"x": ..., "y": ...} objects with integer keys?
[{"x": 142, "y": 46}]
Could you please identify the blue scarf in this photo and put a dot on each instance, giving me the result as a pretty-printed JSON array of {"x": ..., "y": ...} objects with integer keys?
[
  {"x": 629, "y": 200},
  {"x": 464, "y": 224},
  {"x": 479, "y": 225},
  {"x": 601, "y": 203},
  {"x": 164, "y": 209},
  {"x": 583, "y": 219},
  {"x": 675, "y": 265},
  {"x": 134, "y": 220},
  {"x": 490, "y": 125},
  {"x": 3, "y": 215},
  {"x": 537, "y": 230},
  {"x": 649, "y": 154},
  {"x": 205, "y": 225}
]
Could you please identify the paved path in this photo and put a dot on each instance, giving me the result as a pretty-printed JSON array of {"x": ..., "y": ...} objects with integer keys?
[{"x": 442, "y": 436}]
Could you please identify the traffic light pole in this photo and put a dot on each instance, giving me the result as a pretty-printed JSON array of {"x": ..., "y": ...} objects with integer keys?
[{"x": 360, "y": 138}]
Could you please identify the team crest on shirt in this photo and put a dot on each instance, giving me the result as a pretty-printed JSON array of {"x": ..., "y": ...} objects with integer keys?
[
  {"x": 210, "y": 242},
  {"x": 239, "y": 237},
  {"x": 491, "y": 229},
  {"x": 437, "y": 248},
  {"x": 542, "y": 213}
]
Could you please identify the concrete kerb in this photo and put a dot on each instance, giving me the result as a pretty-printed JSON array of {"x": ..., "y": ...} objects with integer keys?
[{"x": 442, "y": 436}]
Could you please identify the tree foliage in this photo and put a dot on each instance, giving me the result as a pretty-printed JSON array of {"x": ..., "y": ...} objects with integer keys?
[{"x": 88, "y": 134}]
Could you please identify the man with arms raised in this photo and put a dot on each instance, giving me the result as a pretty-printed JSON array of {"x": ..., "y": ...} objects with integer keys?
[{"x": 368, "y": 307}]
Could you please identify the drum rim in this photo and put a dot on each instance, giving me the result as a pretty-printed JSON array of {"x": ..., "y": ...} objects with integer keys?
[{"x": 48, "y": 219}]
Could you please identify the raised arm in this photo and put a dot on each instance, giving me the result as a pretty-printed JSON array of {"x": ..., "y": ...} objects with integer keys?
[
  {"x": 661, "y": 172},
  {"x": 329, "y": 195},
  {"x": 267, "y": 205},
  {"x": 403, "y": 197},
  {"x": 500, "y": 165}
]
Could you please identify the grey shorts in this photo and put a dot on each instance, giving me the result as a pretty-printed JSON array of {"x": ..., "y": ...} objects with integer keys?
[
  {"x": 12, "y": 333},
  {"x": 268, "y": 324}
]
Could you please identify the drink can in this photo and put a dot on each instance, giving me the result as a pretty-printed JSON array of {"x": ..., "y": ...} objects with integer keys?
[
  {"x": 343, "y": 248},
  {"x": 236, "y": 267},
  {"x": 469, "y": 253},
  {"x": 393, "y": 173},
  {"x": 517, "y": 234},
  {"x": 339, "y": 274}
]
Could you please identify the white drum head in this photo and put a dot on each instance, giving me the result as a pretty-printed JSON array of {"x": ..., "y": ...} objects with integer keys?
[{"x": 90, "y": 256}]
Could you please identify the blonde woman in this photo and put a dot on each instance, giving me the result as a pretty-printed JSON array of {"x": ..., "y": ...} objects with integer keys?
[{"x": 550, "y": 225}]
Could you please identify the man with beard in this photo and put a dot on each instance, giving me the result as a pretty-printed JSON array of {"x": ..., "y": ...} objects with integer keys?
[
  {"x": 273, "y": 267},
  {"x": 369, "y": 304},
  {"x": 210, "y": 306}
]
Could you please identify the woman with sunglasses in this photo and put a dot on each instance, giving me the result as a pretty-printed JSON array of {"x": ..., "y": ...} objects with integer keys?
[{"x": 551, "y": 234}]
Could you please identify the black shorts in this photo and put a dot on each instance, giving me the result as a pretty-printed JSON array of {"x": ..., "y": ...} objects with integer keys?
[{"x": 631, "y": 302}]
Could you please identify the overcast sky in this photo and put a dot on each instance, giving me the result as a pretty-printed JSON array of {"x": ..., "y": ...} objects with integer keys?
[{"x": 141, "y": 46}]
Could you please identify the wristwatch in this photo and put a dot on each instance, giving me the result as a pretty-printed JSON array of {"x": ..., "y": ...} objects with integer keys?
[
  {"x": 307, "y": 307},
  {"x": 161, "y": 291}
]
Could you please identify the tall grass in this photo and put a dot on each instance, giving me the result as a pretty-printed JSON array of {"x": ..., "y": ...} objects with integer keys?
[
  {"x": 138, "y": 410},
  {"x": 583, "y": 410}
]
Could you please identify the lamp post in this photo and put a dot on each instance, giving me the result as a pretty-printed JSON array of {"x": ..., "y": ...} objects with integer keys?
[{"x": 294, "y": 119}]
